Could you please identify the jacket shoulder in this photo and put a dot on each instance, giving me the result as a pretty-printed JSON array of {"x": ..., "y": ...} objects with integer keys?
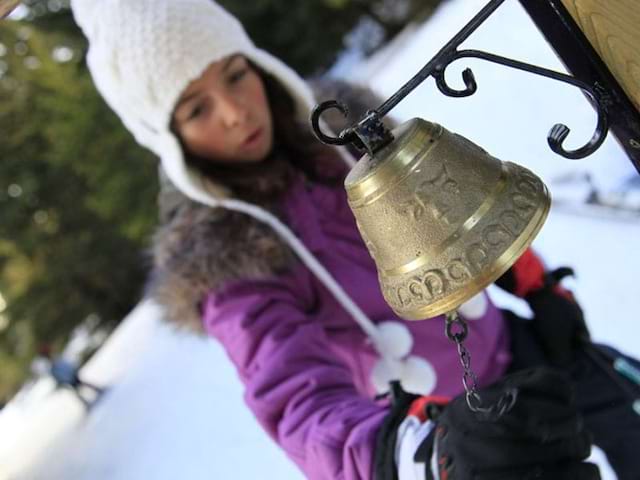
[{"x": 200, "y": 249}]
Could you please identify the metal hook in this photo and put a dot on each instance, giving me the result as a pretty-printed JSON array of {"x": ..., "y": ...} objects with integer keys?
[
  {"x": 469, "y": 82},
  {"x": 315, "y": 122},
  {"x": 559, "y": 133}
]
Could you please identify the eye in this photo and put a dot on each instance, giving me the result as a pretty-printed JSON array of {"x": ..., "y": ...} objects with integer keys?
[
  {"x": 196, "y": 111},
  {"x": 237, "y": 75}
]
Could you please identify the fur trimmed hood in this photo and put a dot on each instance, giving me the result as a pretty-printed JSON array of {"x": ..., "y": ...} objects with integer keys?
[
  {"x": 200, "y": 249},
  {"x": 197, "y": 248}
]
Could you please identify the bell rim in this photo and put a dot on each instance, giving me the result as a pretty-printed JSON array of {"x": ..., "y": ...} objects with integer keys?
[{"x": 503, "y": 263}]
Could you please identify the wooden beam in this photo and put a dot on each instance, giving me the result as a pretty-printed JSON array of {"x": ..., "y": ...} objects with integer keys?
[
  {"x": 6, "y": 6},
  {"x": 613, "y": 29}
]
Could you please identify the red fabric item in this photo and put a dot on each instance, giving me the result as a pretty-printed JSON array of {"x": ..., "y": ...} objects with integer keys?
[
  {"x": 418, "y": 410},
  {"x": 443, "y": 471},
  {"x": 528, "y": 272}
]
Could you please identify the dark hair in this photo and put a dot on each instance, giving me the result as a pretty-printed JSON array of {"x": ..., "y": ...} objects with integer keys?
[{"x": 295, "y": 150}]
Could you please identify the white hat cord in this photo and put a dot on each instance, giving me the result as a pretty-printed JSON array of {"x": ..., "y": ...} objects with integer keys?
[{"x": 391, "y": 339}]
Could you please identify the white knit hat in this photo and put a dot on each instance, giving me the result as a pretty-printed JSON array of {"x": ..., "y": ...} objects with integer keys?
[{"x": 144, "y": 53}]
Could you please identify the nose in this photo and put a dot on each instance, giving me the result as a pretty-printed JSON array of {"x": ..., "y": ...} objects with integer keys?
[{"x": 233, "y": 111}]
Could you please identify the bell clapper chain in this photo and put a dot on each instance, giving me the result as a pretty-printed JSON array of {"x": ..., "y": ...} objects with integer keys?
[{"x": 456, "y": 331}]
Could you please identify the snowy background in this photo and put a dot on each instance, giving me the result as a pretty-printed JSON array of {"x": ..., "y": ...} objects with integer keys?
[{"x": 174, "y": 408}]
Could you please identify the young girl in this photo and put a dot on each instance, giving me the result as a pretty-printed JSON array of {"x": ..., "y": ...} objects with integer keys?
[{"x": 265, "y": 257}]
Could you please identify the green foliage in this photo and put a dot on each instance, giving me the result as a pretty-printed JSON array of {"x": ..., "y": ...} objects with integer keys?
[
  {"x": 309, "y": 35},
  {"x": 77, "y": 197}
]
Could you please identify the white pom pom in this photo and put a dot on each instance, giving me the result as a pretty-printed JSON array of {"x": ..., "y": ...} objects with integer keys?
[
  {"x": 418, "y": 376},
  {"x": 393, "y": 340},
  {"x": 475, "y": 307},
  {"x": 384, "y": 372}
]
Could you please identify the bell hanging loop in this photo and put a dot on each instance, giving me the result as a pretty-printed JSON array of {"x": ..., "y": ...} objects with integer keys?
[
  {"x": 316, "y": 115},
  {"x": 368, "y": 134}
]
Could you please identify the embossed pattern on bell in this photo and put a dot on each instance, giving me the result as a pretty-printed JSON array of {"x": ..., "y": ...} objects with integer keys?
[{"x": 441, "y": 217}]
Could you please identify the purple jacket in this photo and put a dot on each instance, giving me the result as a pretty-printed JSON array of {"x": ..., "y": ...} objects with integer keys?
[{"x": 306, "y": 364}]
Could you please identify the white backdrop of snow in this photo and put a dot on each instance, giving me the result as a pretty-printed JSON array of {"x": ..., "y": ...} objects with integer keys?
[{"x": 175, "y": 408}]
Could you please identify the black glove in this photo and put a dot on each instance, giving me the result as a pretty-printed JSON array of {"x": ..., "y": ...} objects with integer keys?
[
  {"x": 558, "y": 321},
  {"x": 541, "y": 437}
]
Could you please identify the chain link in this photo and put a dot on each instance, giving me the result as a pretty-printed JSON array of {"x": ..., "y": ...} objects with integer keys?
[{"x": 457, "y": 331}]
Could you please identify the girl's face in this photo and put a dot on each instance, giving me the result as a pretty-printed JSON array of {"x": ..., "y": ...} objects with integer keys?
[{"x": 225, "y": 114}]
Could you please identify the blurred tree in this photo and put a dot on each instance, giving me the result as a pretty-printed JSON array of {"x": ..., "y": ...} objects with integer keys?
[
  {"x": 309, "y": 35},
  {"x": 77, "y": 196}
]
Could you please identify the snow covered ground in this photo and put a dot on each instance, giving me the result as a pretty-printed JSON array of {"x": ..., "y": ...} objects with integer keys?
[{"x": 174, "y": 408}]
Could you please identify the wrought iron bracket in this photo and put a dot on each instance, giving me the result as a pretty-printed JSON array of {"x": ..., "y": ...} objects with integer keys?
[
  {"x": 369, "y": 133},
  {"x": 580, "y": 57}
]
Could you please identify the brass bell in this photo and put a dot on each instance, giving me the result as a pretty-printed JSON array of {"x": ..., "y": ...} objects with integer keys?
[{"x": 441, "y": 217}]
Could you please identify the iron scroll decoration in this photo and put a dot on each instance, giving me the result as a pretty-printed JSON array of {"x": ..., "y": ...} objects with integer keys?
[{"x": 369, "y": 133}]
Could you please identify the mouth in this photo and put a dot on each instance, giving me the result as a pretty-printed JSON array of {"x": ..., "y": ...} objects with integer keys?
[{"x": 253, "y": 138}]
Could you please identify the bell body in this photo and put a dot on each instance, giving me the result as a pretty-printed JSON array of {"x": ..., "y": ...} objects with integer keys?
[{"x": 441, "y": 218}]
